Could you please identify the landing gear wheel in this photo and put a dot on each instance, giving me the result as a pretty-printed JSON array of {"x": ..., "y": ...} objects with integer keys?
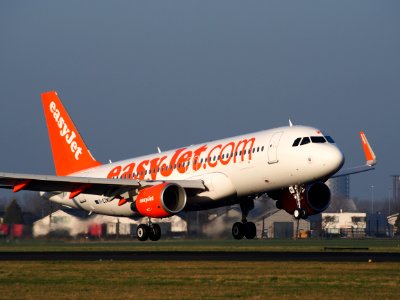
[
  {"x": 300, "y": 213},
  {"x": 250, "y": 230},
  {"x": 155, "y": 232},
  {"x": 142, "y": 232},
  {"x": 238, "y": 230},
  {"x": 304, "y": 214}
]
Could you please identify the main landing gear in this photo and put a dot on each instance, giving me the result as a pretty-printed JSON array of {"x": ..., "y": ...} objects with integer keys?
[
  {"x": 245, "y": 228},
  {"x": 150, "y": 231}
]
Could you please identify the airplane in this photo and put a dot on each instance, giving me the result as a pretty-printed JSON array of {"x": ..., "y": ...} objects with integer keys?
[{"x": 291, "y": 164}]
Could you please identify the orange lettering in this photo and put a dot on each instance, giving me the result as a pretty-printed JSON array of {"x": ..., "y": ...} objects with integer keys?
[
  {"x": 155, "y": 165},
  {"x": 244, "y": 145},
  {"x": 166, "y": 169},
  {"x": 196, "y": 156},
  {"x": 228, "y": 157},
  {"x": 128, "y": 171},
  {"x": 213, "y": 164},
  {"x": 114, "y": 173},
  {"x": 141, "y": 170},
  {"x": 183, "y": 160}
]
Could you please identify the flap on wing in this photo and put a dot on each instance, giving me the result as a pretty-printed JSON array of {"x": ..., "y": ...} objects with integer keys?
[{"x": 87, "y": 185}]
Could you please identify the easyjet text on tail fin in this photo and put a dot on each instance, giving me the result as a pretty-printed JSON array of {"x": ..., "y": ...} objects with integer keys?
[{"x": 70, "y": 153}]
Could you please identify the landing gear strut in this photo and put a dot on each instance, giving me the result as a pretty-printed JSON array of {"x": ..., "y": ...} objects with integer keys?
[
  {"x": 299, "y": 212},
  {"x": 150, "y": 231},
  {"x": 245, "y": 228}
]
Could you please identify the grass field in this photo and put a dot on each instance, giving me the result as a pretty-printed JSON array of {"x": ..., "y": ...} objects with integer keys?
[{"x": 199, "y": 280}]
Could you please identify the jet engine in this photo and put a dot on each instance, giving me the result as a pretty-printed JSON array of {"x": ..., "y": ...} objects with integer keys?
[
  {"x": 160, "y": 201},
  {"x": 315, "y": 198}
]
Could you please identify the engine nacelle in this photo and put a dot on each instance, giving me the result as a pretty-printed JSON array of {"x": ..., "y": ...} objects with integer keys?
[
  {"x": 314, "y": 199},
  {"x": 160, "y": 201}
]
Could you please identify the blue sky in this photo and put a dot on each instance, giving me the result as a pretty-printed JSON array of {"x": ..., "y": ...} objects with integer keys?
[{"x": 135, "y": 75}]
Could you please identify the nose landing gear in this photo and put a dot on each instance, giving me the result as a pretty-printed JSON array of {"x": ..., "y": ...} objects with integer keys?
[{"x": 299, "y": 212}]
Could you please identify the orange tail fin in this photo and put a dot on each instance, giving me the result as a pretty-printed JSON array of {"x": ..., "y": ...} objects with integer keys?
[{"x": 70, "y": 153}]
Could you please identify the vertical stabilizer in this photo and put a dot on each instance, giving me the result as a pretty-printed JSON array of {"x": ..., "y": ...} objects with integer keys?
[{"x": 70, "y": 153}]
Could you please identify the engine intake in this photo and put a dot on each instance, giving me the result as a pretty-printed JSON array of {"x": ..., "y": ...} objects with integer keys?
[
  {"x": 160, "y": 201},
  {"x": 318, "y": 197}
]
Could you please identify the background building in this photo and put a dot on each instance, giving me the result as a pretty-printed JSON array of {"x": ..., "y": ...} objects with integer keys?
[{"x": 345, "y": 224}]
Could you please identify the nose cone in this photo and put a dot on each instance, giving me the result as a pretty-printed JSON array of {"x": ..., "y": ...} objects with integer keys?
[{"x": 333, "y": 159}]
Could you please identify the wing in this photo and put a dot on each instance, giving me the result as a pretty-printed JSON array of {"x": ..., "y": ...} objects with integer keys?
[
  {"x": 369, "y": 156},
  {"x": 87, "y": 185}
]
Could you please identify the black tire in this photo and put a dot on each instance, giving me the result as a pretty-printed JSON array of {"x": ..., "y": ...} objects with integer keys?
[
  {"x": 155, "y": 232},
  {"x": 297, "y": 213},
  {"x": 238, "y": 230},
  {"x": 304, "y": 214},
  {"x": 142, "y": 232},
  {"x": 250, "y": 230}
]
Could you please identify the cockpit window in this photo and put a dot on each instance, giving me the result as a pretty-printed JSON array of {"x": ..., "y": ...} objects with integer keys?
[
  {"x": 305, "y": 141},
  {"x": 313, "y": 139},
  {"x": 318, "y": 139},
  {"x": 296, "y": 142},
  {"x": 329, "y": 139}
]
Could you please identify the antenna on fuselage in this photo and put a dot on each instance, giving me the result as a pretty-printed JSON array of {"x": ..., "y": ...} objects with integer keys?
[
  {"x": 158, "y": 149},
  {"x": 290, "y": 123}
]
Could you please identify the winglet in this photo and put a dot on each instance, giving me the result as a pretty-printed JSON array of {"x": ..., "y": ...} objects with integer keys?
[
  {"x": 70, "y": 153},
  {"x": 369, "y": 153}
]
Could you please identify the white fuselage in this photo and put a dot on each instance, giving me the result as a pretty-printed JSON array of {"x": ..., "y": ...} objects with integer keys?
[{"x": 230, "y": 168}]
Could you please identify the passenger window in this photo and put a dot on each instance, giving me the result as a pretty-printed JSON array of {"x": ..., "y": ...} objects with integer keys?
[
  {"x": 296, "y": 142},
  {"x": 318, "y": 139},
  {"x": 262, "y": 148},
  {"x": 305, "y": 141}
]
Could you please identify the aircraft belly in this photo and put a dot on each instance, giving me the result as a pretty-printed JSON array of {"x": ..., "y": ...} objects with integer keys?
[{"x": 91, "y": 204}]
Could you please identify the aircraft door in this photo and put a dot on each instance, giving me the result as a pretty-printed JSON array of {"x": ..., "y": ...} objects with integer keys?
[{"x": 273, "y": 147}]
